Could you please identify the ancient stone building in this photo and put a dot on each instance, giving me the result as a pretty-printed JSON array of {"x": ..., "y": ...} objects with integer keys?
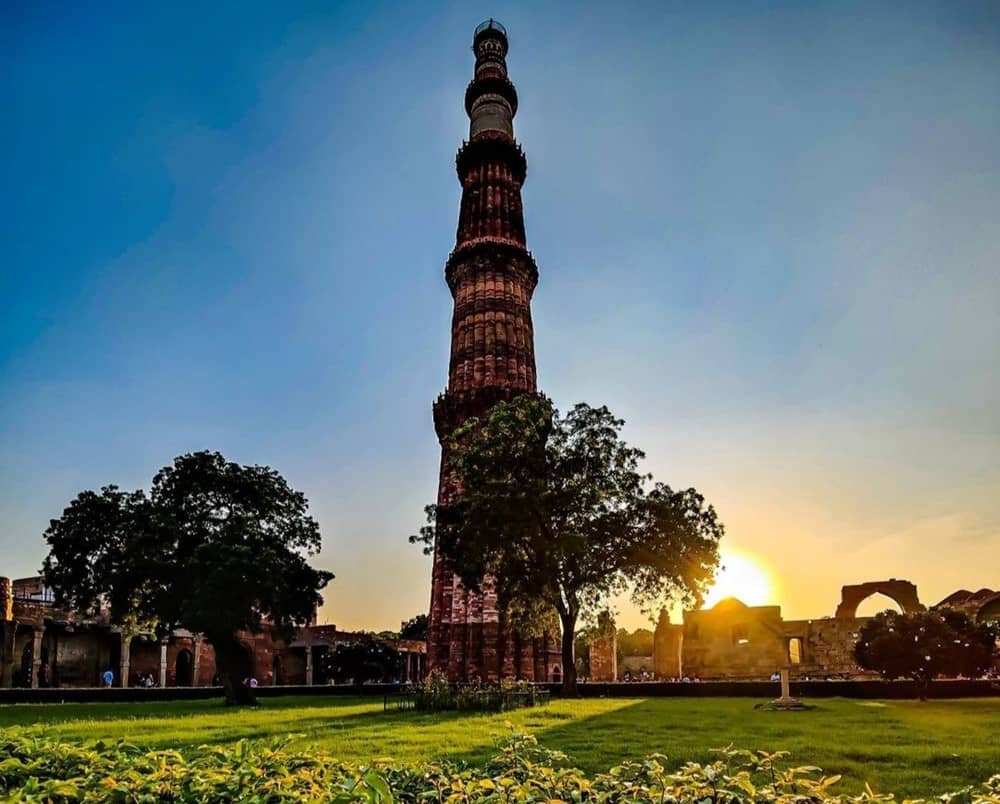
[
  {"x": 46, "y": 646},
  {"x": 983, "y": 606},
  {"x": 734, "y": 641},
  {"x": 491, "y": 276}
]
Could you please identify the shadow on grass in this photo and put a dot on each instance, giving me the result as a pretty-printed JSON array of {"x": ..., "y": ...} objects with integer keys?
[{"x": 881, "y": 746}]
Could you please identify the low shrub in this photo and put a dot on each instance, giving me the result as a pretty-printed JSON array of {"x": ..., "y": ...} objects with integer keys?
[
  {"x": 35, "y": 769},
  {"x": 437, "y": 694}
]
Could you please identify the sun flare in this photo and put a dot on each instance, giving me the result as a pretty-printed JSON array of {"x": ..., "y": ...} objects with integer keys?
[{"x": 742, "y": 577}]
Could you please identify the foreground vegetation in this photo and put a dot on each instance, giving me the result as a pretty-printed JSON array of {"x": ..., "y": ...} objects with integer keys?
[
  {"x": 909, "y": 748},
  {"x": 34, "y": 769}
]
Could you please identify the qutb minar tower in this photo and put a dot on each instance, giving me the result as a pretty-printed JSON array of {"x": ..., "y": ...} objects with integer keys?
[{"x": 491, "y": 276}]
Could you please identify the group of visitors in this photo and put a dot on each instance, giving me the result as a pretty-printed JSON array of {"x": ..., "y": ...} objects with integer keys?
[
  {"x": 645, "y": 675},
  {"x": 145, "y": 680}
]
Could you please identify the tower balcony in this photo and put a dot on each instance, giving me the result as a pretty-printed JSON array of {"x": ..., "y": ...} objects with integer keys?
[{"x": 490, "y": 28}]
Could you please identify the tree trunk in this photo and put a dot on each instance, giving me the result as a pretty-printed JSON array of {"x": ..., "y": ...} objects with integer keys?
[
  {"x": 568, "y": 621},
  {"x": 231, "y": 664}
]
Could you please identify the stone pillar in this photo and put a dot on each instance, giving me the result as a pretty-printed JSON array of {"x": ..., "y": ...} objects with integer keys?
[
  {"x": 786, "y": 701},
  {"x": 6, "y": 599},
  {"x": 196, "y": 661},
  {"x": 8, "y": 628},
  {"x": 126, "y": 659},
  {"x": 36, "y": 656},
  {"x": 668, "y": 642},
  {"x": 309, "y": 665},
  {"x": 163, "y": 663}
]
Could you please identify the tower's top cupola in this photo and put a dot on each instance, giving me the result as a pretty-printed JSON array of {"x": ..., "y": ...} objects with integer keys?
[
  {"x": 487, "y": 33},
  {"x": 491, "y": 100}
]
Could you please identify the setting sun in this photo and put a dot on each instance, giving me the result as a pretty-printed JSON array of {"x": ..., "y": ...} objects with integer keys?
[{"x": 740, "y": 576}]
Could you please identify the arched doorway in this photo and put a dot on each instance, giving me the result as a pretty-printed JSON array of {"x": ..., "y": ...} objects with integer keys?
[
  {"x": 876, "y": 603},
  {"x": 24, "y": 677},
  {"x": 184, "y": 669},
  {"x": 556, "y": 675},
  {"x": 795, "y": 650},
  {"x": 276, "y": 671}
]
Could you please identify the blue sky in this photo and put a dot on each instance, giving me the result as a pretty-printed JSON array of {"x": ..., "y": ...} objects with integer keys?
[{"x": 767, "y": 234}]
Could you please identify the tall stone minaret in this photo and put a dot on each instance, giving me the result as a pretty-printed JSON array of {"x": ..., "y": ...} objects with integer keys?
[{"x": 491, "y": 276}]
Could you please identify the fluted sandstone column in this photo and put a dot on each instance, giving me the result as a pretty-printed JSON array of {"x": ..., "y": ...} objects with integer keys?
[{"x": 492, "y": 276}]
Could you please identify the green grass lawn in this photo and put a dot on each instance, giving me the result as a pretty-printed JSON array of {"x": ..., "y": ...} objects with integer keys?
[{"x": 905, "y": 747}]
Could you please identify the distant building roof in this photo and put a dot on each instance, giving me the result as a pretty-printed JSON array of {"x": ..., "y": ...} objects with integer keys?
[{"x": 982, "y": 604}]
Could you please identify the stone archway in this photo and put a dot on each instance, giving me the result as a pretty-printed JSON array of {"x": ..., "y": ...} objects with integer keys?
[
  {"x": 902, "y": 592},
  {"x": 184, "y": 669}
]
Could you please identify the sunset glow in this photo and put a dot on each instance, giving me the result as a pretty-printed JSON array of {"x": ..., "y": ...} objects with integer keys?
[{"x": 742, "y": 577}]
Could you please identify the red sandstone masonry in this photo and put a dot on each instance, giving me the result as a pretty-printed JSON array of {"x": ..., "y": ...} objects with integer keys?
[{"x": 491, "y": 276}]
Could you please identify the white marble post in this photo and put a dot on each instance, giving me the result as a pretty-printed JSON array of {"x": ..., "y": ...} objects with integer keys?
[{"x": 163, "y": 664}]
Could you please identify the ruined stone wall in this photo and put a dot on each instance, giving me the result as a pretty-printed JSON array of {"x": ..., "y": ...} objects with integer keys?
[
  {"x": 668, "y": 640},
  {"x": 635, "y": 666},
  {"x": 604, "y": 656},
  {"x": 733, "y": 641},
  {"x": 77, "y": 658},
  {"x": 852, "y": 595},
  {"x": 827, "y": 647}
]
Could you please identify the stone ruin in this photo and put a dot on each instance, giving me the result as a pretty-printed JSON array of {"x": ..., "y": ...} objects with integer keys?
[{"x": 738, "y": 642}]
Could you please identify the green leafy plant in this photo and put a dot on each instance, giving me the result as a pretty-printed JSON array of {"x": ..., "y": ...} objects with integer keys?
[{"x": 36, "y": 769}]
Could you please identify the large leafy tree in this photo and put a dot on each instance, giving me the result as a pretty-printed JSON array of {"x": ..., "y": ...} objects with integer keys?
[
  {"x": 553, "y": 510},
  {"x": 362, "y": 660},
  {"x": 415, "y": 628},
  {"x": 637, "y": 643},
  {"x": 926, "y": 644},
  {"x": 215, "y": 547}
]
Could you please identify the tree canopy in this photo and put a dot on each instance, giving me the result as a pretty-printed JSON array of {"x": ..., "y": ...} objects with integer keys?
[
  {"x": 636, "y": 643},
  {"x": 362, "y": 660},
  {"x": 415, "y": 628},
  {"x": 553, "y": 510},
  {"x": 926, "y": 644},
  {"x": 215, "y": 547}
]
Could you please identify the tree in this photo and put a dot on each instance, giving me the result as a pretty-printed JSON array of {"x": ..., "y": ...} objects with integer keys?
[
  {"x": 362, "y": 660},
  {"x": 924, "y": 645},
  {"x": 415, "y": 628},
  {"x": 554, "y": 511},
  {"x": 638, "y": 643},
  {"x": 216, "y": 548}
]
